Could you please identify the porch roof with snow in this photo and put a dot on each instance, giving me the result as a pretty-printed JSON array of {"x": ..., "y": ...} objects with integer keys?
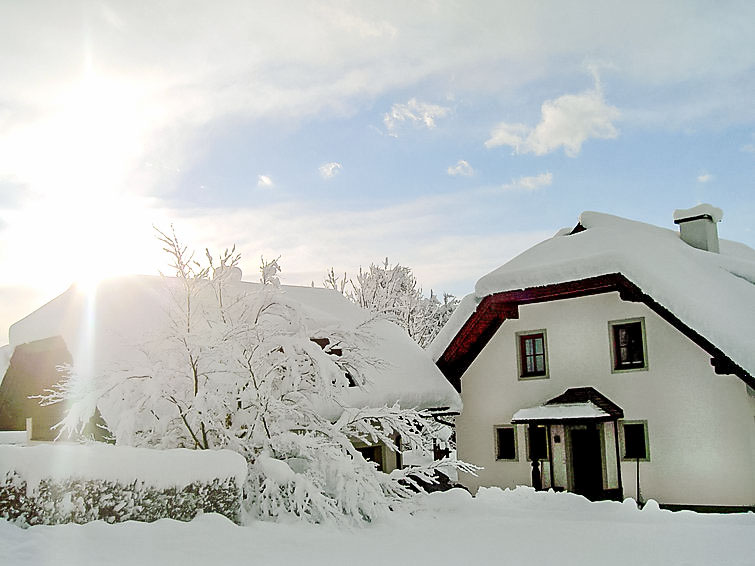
[
  {"x": 99, "y": 326},
  {"x": 575, "y": 404},
  {"x": 709, "y": 297}
]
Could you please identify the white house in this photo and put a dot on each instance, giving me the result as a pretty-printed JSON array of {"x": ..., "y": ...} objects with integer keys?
[
  {"x": 610, "y": 350},
  {"x": 97, "y": 326}
]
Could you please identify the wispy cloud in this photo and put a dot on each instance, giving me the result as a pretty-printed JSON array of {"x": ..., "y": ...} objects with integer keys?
[
  {"x": 462, "y": 167},
  {"x": 449, "y": 261},
  {"x": 421, "y": 114},
  {"x": 704, "y": 177},
  {"x": 531, "y": 183},
  {"x": 567, "y": 121},
  {"x": 329, "y": 170},
  {"x": 265, "y": 181}
]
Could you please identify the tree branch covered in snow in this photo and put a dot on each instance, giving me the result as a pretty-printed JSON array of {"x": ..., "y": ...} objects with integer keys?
[
  {"x": 244, "y": 370},
  {"x": 393, "y": 293}
]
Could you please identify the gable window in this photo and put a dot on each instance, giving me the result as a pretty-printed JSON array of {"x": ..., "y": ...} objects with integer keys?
[
  {"x": 324, "y": 343},
  {"x": 505, "y": 443},
  {"x": 635, "y": 440},
  {"x": 532, "y": 353},
  {"x": 628, "y": 351}
]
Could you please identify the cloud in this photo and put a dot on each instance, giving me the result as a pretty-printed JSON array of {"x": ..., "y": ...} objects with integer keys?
[
  {"x": 158, "y": 87},
  {"x": 461, "y": 168},
  {"x": 449, "y": 259},
  {"x": 265, "y": 181},
  {"x": 329, "y": 170},
  {"x": 415, "y": 113},
  {"x": 704, "y": 178},
  {"x": 530, "y": 183},
  {"x": 748, "y": 148},
  {"x": 567, "y": 121}
]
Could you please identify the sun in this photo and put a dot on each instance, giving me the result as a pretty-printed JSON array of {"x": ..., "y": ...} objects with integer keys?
[{"x": 84, "y": 221}]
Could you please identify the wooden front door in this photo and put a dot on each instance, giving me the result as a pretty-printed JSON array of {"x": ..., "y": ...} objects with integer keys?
[{"x": 586, "y": 461}]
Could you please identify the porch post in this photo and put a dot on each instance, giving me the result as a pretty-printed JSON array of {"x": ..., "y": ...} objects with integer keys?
[
  {"x": 537, "y": 480},
  {"x": 618, "y": 455},
  {"x": 550, "y": 458}
]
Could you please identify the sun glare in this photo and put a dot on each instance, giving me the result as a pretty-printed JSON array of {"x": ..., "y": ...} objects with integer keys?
[
  {"x": 65, "y": 241},
  {"x": 84, "y": 221}
]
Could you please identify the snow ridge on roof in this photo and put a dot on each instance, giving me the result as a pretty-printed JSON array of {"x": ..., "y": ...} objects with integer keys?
[{"x": 712, "y": 293}]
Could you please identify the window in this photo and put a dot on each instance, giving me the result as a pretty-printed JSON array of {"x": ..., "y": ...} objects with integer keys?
[
  {"x": 635, "y": 440},
  {"x": 373, "y": 454},
  {"x": 628, "y": 349},
  {"x": 533, "y": 357},
  {"x": 505, "y": 443},
  {"x": 537, "y": 442}
]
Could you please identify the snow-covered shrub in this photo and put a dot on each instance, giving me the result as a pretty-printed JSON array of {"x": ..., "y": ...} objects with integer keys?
[
  {"x": 82, "y": 501},
  {"x": 244, "y": 370},
  {"x": 48, "y": 485},
  {"x": 393, "y": 292}
]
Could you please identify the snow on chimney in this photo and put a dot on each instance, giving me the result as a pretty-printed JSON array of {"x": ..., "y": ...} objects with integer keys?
[{"x": 697, "y": 226}]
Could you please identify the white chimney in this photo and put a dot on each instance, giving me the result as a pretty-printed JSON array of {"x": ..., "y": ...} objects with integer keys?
[{"x": 697, "y": 226}]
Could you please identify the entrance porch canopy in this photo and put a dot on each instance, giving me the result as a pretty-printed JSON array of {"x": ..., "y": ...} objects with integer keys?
[{"x": 576, "y": 404}]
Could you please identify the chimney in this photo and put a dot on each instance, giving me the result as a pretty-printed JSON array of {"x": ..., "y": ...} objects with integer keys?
[{"x": 697, "y": 226}]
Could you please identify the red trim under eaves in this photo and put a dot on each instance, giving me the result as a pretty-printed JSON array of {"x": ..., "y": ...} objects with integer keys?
[{"x": 494, "y": 309}]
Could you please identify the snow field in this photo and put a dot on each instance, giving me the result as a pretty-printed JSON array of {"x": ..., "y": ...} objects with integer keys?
[{"x": 497, "y": 526}]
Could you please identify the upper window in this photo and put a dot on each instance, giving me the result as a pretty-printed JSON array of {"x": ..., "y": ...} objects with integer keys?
[
  {"x": 533, "y": 357},
  {"x": 628, "y": 344}
]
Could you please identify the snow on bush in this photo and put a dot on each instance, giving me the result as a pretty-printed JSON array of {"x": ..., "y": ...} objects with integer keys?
[
  {"x": 60, "y": 483},
  {"x": 392, "y": 292},
  {"x": 246, "y": 371}
]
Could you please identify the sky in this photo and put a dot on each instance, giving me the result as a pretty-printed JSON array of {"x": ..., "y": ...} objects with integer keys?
[{"x": 447, "y": 136}]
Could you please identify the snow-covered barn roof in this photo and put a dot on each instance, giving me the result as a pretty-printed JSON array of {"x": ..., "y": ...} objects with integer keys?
[
  {"x": 710, "y": 297},
  {"x": 97, "y": 327}
]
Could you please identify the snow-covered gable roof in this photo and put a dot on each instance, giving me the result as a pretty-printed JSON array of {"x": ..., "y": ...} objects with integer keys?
[
  {"x": 99, "y": 327},
  {"x": 713, "y": 294}
]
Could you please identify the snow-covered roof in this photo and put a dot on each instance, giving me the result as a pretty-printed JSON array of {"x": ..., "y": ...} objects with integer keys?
[
  {"x": 570, "y": 411},
  {"x": 710, "y": 293},
  {"x": 99, "y": 327}
]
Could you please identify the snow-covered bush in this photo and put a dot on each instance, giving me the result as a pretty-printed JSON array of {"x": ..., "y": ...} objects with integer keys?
[
  {"x": 243, "y": 370},
  {"x": 392, "y": 292},
  {"x": 52, "y": 484}
]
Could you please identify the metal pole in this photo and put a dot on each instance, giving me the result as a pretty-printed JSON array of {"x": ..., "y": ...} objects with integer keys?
[{"x": 639, "y": 494}]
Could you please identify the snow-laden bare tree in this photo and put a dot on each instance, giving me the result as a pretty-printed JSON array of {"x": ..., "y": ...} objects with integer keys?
[
  {"x": 393, "y": 293},
  {"x": 243, "y": 371}
]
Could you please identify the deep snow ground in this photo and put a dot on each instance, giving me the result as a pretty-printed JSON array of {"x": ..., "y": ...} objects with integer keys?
[{"x": 497, "y": 527}]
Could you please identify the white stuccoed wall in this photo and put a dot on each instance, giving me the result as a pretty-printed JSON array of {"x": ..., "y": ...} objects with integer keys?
[{"x": 701, "y": 425}]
